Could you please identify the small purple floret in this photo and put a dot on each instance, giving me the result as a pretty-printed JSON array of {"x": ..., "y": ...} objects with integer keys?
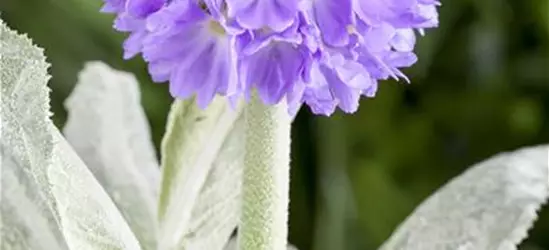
[{"x": 322, "y": 53}]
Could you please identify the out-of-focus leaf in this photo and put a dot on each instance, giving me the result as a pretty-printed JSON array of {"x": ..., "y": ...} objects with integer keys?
[
  {"x": 201, "y": 165},
  {"x": 490, "y": 206},
  {"x": 335, "y": 202},
  {"x": 232, "y": 245},
  {"x": 65, "y": 198},
  {"x": 108, "y": 129}
]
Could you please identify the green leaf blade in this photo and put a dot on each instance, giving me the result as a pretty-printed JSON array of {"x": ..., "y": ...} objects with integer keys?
[
  {"x": 199, "y": 196},
  {"x": 26, "y": 146},
  {"x": 68, "y": 207},
  {"x": 107, "y": 127},
  {"x": 490, "y": 206}
]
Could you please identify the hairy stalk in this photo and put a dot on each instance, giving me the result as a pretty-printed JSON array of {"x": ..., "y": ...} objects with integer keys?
[{"x": 265, "y": 186}]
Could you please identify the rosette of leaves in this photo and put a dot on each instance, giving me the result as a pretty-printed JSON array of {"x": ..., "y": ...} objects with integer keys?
[{"x": 101, "y": 185}]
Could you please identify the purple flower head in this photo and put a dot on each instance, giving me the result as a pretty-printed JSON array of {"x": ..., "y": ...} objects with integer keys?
[{"x": 322, "y": 53}]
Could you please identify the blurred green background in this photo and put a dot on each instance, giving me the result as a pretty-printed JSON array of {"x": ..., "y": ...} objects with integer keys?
[{"x": 481, "y": 86}]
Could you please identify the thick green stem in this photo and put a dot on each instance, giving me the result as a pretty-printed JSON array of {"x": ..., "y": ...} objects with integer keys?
[{"x": 265, "y": 186}]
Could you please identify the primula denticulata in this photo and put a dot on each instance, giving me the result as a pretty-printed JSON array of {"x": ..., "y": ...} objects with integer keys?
[
  {"x": 277, "y": 56},
  {"x": 100, "y": 185}
]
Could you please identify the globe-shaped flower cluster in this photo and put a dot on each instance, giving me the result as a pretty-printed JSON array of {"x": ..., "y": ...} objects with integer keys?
[{"x": 324, "y": 53}]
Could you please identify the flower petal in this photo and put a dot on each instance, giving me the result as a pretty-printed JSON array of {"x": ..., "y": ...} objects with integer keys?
[
  {"x": 143, "y": 8},
  {"x": 272, "y": 70},
  {"x": 404, "y": 40},
  {"x": 257, "y": 14},
  {"x": 347, "y": 97},
  {"x": 333, "y": 17},
  {"x": 133, "y": 44},
  {"x": 206, "y": 71},
  {"x": 113, "y": 6}
]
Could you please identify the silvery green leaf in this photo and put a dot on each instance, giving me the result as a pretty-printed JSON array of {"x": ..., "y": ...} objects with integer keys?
[
  {"x": 232, "y": 245},
  {"x": 490, "y": 206},
  {"x": 108, "y": 129},
  {"x": 202, "y": 165},
  {"x": 27, "y": 223},
  {"x": 217, "y": 210},
  {"x": 69, "y": 208},
  {"x": 88, "y": 218},
  {"x": 28, "y": 220}
]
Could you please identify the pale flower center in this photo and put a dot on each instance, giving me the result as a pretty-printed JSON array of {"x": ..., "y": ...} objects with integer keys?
[{"x": 216, "y": 28}]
